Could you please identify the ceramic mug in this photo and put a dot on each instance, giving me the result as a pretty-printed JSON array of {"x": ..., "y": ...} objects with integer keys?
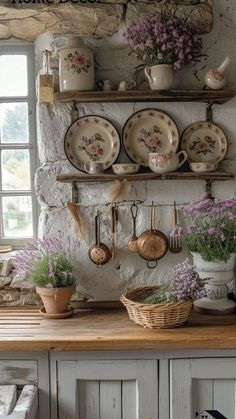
[
  {"x": 166, "y": 162},
  {"x": 93, "y": 167},
  {"x": 105, "y": 85},
  {"x": 126, "y": 85}
]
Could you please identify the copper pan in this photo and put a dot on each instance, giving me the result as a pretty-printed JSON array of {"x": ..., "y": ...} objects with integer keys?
[
  {"x": 99, "y": 253},
  {"x": 152, "y": 244}
]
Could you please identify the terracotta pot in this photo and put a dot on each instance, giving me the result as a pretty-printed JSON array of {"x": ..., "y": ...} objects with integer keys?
[{"x": 55, "y": 300}]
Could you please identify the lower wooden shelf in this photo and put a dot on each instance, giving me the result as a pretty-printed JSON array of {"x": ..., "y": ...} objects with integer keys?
[{"x": 207, "y": 176}]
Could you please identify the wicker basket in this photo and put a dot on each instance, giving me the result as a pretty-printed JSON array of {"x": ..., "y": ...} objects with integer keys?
[{"x": 155, "y": 316}]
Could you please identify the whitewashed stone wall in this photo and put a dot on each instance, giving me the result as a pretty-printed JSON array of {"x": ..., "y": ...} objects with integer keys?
[
  {"x": 27, "y": 20},
  {"x": 112, "y": 61}
]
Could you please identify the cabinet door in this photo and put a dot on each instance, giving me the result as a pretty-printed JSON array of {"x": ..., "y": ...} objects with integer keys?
[
  {"x": 107, "y": 389},
  {"x": 202, "y": 384}
]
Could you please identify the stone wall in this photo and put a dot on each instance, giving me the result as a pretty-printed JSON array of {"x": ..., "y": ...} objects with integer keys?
[
  {"x": 28, "y": 20},
  {"x": 113, "y": 62}
]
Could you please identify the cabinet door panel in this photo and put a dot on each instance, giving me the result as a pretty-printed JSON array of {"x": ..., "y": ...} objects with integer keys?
[
  {"x": 107, "y": 389},
  {"x": 203, "y": 391},
  {"x": 88, "y": 399},
  {"x": 129, "y": 401},
  {"x": 110, "y": 399},
  {"x": 202, "y": 384},
  {"x": 224, "y": 397}
]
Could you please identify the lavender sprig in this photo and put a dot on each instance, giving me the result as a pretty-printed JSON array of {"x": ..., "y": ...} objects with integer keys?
[{"x": 184, "y": 285}]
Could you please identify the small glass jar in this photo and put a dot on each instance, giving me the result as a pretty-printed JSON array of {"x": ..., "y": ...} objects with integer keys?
[{"x": 45, "y": 89}]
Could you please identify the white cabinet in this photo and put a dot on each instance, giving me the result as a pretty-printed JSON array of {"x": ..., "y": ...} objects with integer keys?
[
  {"x": 106, "y": 389},
  {"x": 26, "y": 370},
  {"x": 202, "y": 384}
]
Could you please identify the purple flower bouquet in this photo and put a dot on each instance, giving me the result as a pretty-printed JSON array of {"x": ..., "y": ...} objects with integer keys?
[
  {"x": 163, "y": 39},
  {"x": 211, "y": 228}
]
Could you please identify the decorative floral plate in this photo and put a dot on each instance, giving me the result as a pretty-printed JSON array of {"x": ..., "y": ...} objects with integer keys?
[
  {"x": 92, "y": 138},
  {"x": 149, "y": 130},
  {"x": 204, "y": 141}
]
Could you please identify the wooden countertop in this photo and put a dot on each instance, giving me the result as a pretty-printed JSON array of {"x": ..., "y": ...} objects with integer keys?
[{"x": 25, "y": 330}]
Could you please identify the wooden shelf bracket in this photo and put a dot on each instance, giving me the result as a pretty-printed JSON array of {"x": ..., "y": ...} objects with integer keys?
[{"x": 75, "y": 193}]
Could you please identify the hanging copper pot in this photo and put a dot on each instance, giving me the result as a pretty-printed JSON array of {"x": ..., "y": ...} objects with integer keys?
[{"x": 152, "y": 244}]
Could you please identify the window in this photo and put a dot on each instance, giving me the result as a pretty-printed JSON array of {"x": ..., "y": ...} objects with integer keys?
[{"x": 18, "y": 206}]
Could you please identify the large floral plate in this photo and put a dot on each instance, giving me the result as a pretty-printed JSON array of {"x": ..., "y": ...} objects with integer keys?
[
  {"x": 92, "y": 138},
  {"x": 149, "y": 130},
  {"x": 204, "y": 141}
]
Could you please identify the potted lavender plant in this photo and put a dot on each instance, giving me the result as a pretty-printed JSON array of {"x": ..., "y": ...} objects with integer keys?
[
  {"x": 211, "y": 238},
  {"x": 44, "y": 264},
  {"x": 164, "y": 44}
]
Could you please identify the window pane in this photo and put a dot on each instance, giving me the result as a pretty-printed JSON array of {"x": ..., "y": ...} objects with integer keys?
[
  {"x": 17, "y": 216},
  {"x": 15, "y": 170},
  {"x": 13, "y": 75},
  {"x": 14, "y": 123}
]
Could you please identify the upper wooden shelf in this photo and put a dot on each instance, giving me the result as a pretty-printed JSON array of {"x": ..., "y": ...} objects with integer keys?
[
  {"x": 208, "y": 176},
  {"x": 207, "y": 96}
]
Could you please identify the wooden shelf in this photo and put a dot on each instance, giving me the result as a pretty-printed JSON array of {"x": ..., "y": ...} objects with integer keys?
[
  {"x": 207, "y": 96},
  {"x": 207, "y": 176}
]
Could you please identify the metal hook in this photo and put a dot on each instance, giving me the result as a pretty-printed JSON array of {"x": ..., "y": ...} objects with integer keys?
[{"x": 209, "y": 112}]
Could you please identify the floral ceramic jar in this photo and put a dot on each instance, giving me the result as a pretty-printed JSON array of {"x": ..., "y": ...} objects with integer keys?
[{"x": 76, "y": 66}]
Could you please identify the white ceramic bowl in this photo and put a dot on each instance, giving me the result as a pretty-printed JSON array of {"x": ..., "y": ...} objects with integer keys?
[
  {"x": 203, "y": 166},
  {"x": 125, "y": 168}
]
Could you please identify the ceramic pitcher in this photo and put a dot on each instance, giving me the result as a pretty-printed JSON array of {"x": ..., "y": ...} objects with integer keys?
[
  {"x": 76, "y": 66},
  {"x": 160, "y": 76},
  {"x": 166, "y": 162}
]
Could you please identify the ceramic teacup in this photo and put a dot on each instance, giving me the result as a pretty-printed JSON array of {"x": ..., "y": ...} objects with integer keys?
[
  {"x": 126, "y": 85},
  {"x": 93, "y": 167},
  {"x": 203, "y": 166},
  {"x": 166, "y": 162},
  {"x": 125, "y": 168},
  {"x": 105, "y": 85}
]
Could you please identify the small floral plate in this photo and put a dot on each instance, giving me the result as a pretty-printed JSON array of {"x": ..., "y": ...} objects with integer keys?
[
  {"x": 204, "y": 141},
  {"x": 92, "y": 138},
  {"x": 149, "y": 130}
]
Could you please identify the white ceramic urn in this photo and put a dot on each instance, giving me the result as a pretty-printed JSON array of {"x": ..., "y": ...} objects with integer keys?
[
  {"x": 219, "y": 274},
  {"x": 76, "y": 66}
]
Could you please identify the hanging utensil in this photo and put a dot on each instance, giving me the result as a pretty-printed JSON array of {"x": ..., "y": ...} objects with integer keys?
[
  {"x": 114, "y": 221},
  {"x": 175, "y": 240},
  {"x": 78, "y": 220},
  {"x": 100, "y": 252},
  {"x": 132, "y": 243},
  {"x": 152, "y": 244}
]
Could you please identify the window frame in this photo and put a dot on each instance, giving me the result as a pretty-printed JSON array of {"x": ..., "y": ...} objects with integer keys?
[{"x": 30, "y": 99}]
